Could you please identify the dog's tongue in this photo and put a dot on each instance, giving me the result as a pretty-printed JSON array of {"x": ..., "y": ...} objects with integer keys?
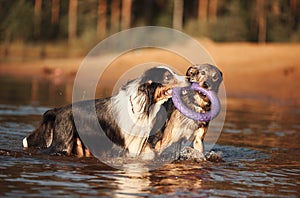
[{"x": 168, "y": 92}]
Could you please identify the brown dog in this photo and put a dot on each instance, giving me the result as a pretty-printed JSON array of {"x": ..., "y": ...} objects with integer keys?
[{"x": 179, "y": 129}]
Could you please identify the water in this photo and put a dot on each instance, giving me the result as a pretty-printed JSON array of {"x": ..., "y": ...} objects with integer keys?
[{"x": 260, "y": 146}]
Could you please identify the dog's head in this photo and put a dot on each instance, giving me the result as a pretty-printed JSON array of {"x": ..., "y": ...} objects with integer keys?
[
  {"x": 208, "y": 76},
  {"x": 162, "y": 79}
]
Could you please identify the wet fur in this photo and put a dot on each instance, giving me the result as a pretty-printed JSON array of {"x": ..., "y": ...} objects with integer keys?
[
  {"x": 180, "y": 130},
  {"x": 139, "y": 99}
]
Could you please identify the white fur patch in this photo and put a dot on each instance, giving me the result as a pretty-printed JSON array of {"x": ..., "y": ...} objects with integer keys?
[
  {"x": 49, "y": 141},
  {"x": 25, "y": 144},
  {"x": 129, "y": 111},
  {"x": 178, "y": 77}
]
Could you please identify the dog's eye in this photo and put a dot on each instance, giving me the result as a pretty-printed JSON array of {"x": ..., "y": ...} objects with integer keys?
[
  {"x": 168, "y": 77},
  {"x": 215, "y": 77},
  {"x": 203, "y": 73}
]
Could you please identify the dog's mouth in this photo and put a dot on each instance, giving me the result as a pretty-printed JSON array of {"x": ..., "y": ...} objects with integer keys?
[
  {"x": 163, "y": 93},
  {"x": 195, "y": 100},
  {"x": 168, "y": 92}
]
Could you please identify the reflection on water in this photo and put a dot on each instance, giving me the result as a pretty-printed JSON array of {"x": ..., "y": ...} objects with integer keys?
[
  {"x": 35, "y": 91},
  {"x": 259, "y": 144}
]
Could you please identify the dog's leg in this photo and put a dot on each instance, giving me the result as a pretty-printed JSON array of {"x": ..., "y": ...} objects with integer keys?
[
  {"x": 79, "y": 148},
  {"x": 147, "y": 153},
  {"x": 87, "y": 152},
  {"x": 199, "y": 138}
]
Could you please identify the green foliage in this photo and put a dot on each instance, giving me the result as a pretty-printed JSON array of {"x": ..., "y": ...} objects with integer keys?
[
  {"x": 87, "y": 16},
  {"x": 280, "y": 26},
  {"x": 236, "y": 20},
  {"x": 18, "y": 22},
  {"x": 197, "y": 28},
  {"x": 228, "y": 27},
  {"x": 164, "y": 18}
]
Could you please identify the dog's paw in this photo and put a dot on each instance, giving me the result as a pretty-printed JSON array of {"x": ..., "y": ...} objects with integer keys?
[
  {"x": 191, "y": 154},
  {"x": 214, "y": 156}
]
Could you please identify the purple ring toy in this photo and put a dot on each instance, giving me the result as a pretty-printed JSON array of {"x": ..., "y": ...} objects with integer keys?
[{"x": 203, "y": 117}]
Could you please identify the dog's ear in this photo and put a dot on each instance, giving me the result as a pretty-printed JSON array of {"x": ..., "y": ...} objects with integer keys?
[
  {"x": 141, "y": 99},
  {"x": 192, "y": 70},
  {"x": 139, "y": 102},
  {"x": 144, "y": 87}
]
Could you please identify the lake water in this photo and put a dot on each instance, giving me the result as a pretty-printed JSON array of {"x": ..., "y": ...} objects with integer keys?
[{"x": 260, "y": 146}]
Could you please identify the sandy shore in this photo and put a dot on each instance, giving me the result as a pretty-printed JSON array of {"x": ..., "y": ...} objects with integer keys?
[{"x": 269, "y": 71}]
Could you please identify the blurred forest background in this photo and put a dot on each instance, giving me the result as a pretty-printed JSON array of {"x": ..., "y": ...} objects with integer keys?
[
  {"x": 256, "y": 43},
  {"x": 85, "y": 22}
]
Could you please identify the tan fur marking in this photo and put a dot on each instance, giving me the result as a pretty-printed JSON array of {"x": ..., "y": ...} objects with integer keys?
[
  {"x": 87, "y": 152},
  {"x": 79, "y": 149},
  {"x": 170, "y": 134},
  {"x": 199, "y": 137}
]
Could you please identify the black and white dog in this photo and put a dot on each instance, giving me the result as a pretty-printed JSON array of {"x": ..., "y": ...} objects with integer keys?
[
  {"x": 126, "y": 118},
  {"x": 180, "y": 129}
]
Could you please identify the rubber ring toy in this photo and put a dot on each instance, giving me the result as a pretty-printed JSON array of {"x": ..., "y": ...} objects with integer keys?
[{"x": 203, "y": 117}]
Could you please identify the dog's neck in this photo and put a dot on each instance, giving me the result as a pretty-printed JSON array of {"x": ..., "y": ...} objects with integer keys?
[{"x": 135, "y": 115}]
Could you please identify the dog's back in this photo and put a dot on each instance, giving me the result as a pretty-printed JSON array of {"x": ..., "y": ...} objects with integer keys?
[{"x": 121, "y": 116}]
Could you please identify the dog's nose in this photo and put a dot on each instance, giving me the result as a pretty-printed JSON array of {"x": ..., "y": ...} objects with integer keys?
[{"x": 205, "y": 85}]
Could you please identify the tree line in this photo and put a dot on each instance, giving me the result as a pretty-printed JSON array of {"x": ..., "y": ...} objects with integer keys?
[{"x": 220, "y": 20}]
